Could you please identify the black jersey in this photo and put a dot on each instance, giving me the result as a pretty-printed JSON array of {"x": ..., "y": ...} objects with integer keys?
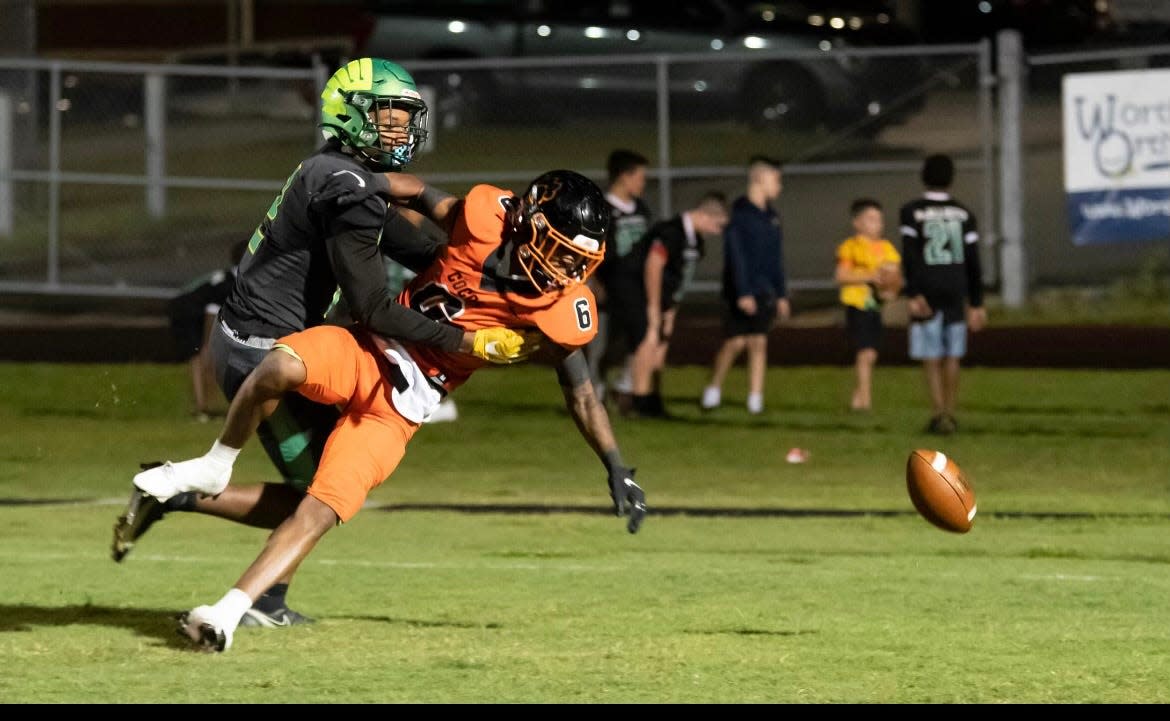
[
  {"x": 683, "y": 252},
  {"x": 626, "y": 228},
  {"x": 940, "y": 253},
  {"x": 319, "y": 242}
]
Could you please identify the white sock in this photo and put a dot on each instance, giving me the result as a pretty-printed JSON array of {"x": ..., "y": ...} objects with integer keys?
[
  {"x": 625, "y": 382},
  {"x": 222, "y": 455},
  {"x": 232, "y": 605}
]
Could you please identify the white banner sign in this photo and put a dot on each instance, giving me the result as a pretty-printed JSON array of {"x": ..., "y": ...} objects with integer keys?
[{"x": 1117, "y": 155}]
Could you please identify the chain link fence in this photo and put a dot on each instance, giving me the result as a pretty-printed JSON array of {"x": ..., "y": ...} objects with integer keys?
[{"x": 130, "y": 179}]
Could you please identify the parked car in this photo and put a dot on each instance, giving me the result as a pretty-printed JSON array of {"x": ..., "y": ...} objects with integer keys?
[{"x": 801, "y": 92}]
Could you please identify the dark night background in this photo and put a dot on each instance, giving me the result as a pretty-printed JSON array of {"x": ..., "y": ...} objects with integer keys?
[{"x": 146, "y": 30}]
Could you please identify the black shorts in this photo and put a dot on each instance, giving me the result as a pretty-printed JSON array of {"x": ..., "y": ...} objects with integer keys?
[
  {"x": 736, "y": 323},
  {"x": 294, "y": 435},
  {"x": 864, "y": 328},
  {"x": 627, "y": 315}
]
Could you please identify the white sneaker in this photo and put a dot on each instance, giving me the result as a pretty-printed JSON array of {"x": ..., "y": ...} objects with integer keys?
[
  {"x": 206, "y": 630},
  {"x": 712, "y": 397},
  {"x": 625, "y": 382},
  {"x": 755, "y": 404},
  {"x": 446, "y": 412},
  {"x": 170, "y": 479}
]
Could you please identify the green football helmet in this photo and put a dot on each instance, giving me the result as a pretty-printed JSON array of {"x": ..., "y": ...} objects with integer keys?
[{"x": 351, "y": 100}]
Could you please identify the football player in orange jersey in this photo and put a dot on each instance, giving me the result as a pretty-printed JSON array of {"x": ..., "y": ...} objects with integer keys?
[{"x": 514, "y": 261}]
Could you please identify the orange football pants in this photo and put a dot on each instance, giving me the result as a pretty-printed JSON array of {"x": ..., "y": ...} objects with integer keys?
[{"x": 370, "y": 438}]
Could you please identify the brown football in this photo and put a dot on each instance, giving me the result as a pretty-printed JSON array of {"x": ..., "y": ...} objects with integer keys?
[{"x": 940, "y": 491}]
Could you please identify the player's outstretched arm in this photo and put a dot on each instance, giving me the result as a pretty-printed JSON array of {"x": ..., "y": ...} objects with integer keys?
[
  {"x": 593, "y": 422},
  {"x": 412, "y": 192}
]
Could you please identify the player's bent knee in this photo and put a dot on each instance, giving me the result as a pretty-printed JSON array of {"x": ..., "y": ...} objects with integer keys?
[{"x": 281, "y": 370}]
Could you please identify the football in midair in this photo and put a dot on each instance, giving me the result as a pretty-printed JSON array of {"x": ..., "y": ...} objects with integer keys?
[{"x": 940, "y": 491}]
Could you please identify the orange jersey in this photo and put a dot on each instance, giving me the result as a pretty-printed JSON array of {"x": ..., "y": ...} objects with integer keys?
[{"x": 461, "y": 288}]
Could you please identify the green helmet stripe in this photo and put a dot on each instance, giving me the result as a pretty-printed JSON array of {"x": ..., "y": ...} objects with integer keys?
[
  {"x": 365, "y": 74},
  {"x": 357, "y": 75}
]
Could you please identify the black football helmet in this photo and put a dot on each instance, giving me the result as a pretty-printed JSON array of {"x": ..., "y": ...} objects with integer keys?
[{"x": 559, "y": 227}]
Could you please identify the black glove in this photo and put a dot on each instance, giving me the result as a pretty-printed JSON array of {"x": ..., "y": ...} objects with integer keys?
[{"x": 628, "y": 497}]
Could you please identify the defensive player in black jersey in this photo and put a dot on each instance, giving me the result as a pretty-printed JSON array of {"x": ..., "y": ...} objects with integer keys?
[
  {"x": 321, "y": 239},
  {"x": 944, "y": 282}
]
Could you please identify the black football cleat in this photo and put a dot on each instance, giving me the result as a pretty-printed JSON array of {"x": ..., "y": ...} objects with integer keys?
[
  {"x": 142, "y": 511},
  {"x": 941, "y": 425},
  {"x": 637, "y": 515}
]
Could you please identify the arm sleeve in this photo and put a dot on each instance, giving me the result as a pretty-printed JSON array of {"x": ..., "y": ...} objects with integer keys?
[
  {"x": 406, "y": 244},
  {"x": 353, "y": 251},
  {"x": 779, "y": 279},
  {"x": 588, "y": 413},
  {"x": 734, "y": 257},
  {"x": 974, "y": 267},
  {"x": 428, "y": 200},
  {"x": 911, "y": 257}
]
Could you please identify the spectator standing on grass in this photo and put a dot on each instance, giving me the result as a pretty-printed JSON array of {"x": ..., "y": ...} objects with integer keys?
[
  {"x": 629, "y": 220},
  {"x": 645, "y": 300},
  {"x": 944, "y": 284},
  {"x": 870, "y": 274},
  {"x": 755, "y": 292}
]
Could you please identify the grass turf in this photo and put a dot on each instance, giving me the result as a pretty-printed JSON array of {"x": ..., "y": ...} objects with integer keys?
[{"x": 841, "y": 594}]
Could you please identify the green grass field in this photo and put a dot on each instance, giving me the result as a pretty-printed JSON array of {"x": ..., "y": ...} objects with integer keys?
[{"x": 840, "y": 594}]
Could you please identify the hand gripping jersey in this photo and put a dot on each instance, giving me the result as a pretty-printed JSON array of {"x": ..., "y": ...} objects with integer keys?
[{"x": 462, "y": 288}]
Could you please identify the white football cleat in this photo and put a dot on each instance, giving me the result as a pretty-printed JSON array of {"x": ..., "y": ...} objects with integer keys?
[
  {"x": 203, "y": 628},
  {"x": 196, "y": 475}
]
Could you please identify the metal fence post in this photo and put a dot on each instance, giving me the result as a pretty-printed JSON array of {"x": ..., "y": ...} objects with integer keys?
[
  {"x": 990, "y": 238},
  {"x": 320, "y": 78},
  {"x": 1013, "y": 270},
  {"x": 156, "y": 151},
  {"x": 664, "y": 174},
  {"x": 7, "y": 128},
  {"x": 53, "y": 274}
]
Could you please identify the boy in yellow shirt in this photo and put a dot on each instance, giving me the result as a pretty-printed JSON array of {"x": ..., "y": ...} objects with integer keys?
[{"x": 869, "y": 273}]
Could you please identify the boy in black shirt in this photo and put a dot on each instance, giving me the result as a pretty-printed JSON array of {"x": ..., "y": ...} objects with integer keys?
[
  {"x": 646, "y": 302},
  {"x": 944, "y": 282}
]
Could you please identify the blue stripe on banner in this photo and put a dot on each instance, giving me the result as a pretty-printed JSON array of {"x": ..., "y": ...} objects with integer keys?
[{"x": 1118, "y": 216}]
